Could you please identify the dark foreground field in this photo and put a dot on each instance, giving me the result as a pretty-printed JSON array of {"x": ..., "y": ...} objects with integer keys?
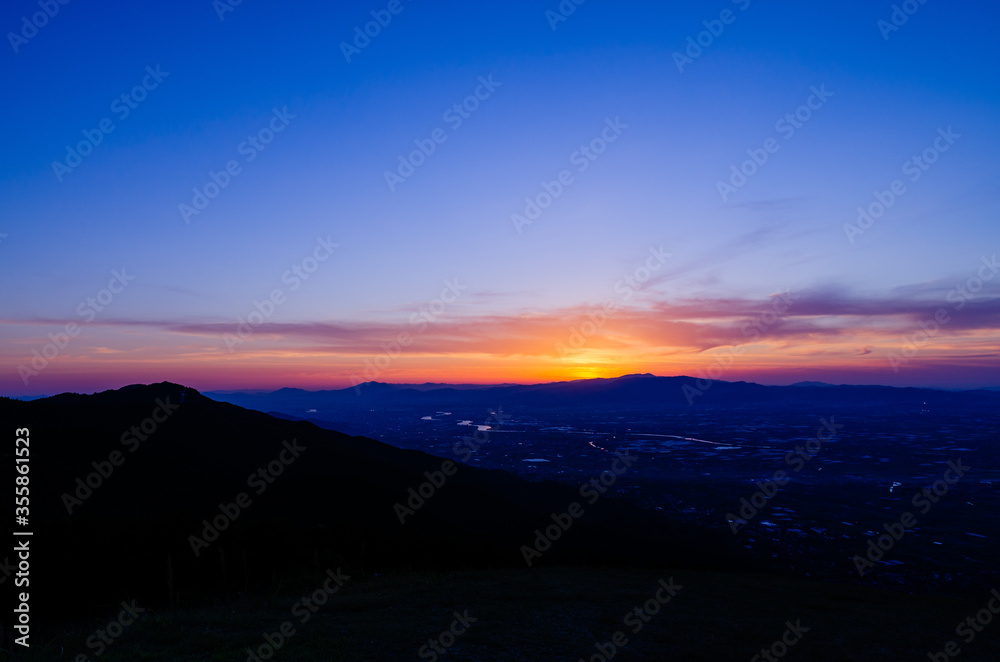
[{"x": 547, "y": 614}]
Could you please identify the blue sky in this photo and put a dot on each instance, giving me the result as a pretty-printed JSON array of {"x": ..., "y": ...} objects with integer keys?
[{"x": 656, "y": 185}]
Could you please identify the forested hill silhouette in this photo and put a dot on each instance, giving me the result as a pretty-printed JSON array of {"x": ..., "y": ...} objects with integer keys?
[
  {"x": 122, "y": 480},
  {"x": 640, "y": 390}
]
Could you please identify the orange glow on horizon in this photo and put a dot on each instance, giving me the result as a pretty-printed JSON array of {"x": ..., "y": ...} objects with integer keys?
[{"x": 515, "y": 349}]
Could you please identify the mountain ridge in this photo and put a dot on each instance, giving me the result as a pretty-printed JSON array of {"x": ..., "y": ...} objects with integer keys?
[{"x": 625, "y": 391}]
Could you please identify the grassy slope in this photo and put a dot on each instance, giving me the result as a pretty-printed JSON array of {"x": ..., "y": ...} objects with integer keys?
[{"x": 551, "y": 614}]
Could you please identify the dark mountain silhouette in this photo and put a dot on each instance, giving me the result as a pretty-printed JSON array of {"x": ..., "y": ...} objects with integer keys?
[
  {"x": 642, "y": 390},
  {"x": 333, "y": 505}
]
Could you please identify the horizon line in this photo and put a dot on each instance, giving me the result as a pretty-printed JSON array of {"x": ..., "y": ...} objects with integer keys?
[{"x": 446, "y": 384}]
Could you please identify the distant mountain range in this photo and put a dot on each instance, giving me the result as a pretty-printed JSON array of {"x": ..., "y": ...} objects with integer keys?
[{"x": 639, "y": 390}]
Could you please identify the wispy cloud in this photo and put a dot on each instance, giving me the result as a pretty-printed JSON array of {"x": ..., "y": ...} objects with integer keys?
[{"x": 816, "y": 318}]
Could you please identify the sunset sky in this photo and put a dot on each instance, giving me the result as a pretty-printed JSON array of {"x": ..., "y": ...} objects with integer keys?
[{"x": 646, "y": 252}]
